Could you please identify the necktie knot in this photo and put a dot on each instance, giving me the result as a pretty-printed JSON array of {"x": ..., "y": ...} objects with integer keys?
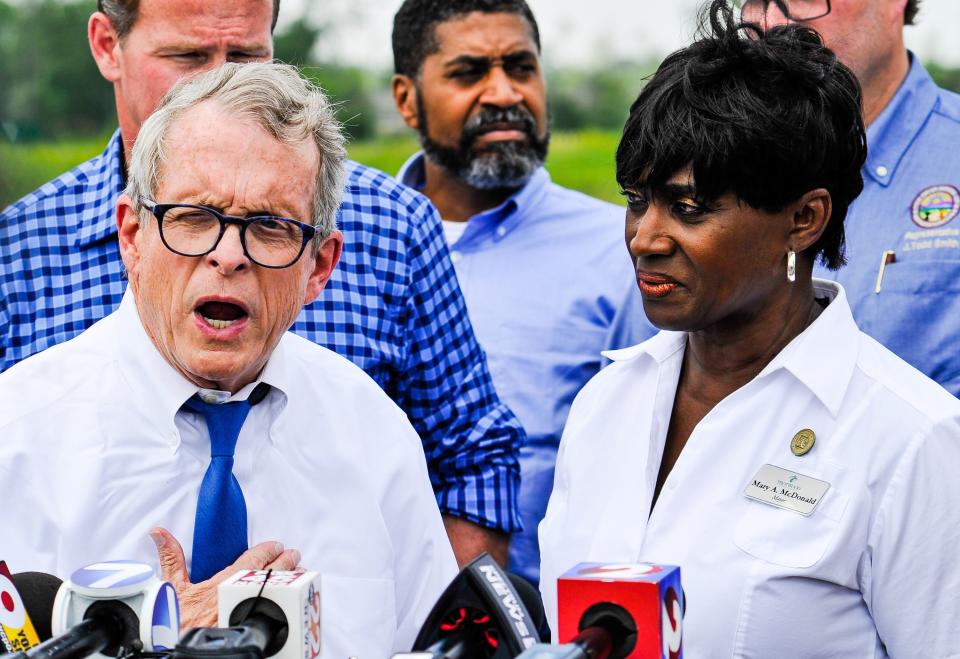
[{"x": 224, "y": 422}]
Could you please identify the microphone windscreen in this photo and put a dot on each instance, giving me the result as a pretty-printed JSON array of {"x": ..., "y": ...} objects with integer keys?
[
  {"x": 530, "y": 597},
  {"x": 38, "y": 590}
]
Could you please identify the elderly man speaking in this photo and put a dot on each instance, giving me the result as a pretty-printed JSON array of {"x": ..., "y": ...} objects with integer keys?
[{"x": 191, "y": 415}]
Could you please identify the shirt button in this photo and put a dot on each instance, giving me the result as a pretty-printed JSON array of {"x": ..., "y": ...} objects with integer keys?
[
  {"x": 501, "y": 231},
  {"x": 882, "y": 171},
  {"x": 208, "y": 398},
  {"x": 456, "y": 256}
]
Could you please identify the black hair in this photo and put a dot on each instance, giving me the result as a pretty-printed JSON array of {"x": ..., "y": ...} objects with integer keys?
[
  {"x": 414, "y": 26},
  {"x": 767, "y": 116},
  {"x": 910, "y": 11}
]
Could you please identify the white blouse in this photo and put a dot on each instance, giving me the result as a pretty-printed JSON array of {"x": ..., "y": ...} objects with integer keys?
[{"x": 874, "y": 571}]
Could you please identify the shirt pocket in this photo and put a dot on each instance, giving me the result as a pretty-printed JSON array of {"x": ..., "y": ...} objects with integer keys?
[
  {"x": 785, "y": 538},
  {"x": 358, "y": 616},
  {"x": 916, "y": 314}
]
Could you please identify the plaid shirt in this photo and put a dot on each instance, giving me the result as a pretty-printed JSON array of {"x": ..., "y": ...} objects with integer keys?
[{"x": 393, "y": 307}]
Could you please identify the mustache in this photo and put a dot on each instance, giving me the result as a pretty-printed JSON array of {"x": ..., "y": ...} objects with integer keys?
[{"x": 518, "y": 117}]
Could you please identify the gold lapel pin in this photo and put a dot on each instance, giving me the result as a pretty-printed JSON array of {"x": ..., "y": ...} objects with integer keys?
[{"x": 803, "y": 441}]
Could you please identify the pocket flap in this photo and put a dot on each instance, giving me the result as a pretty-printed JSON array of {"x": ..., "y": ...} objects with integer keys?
[{"x": 786, "y": 538}]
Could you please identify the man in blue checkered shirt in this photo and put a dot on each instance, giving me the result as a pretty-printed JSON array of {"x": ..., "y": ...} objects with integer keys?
[{"x": 393, "y": 305}]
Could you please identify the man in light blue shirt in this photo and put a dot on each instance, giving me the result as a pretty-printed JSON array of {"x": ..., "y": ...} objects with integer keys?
[
  {"x": 903, "y": 233},
  {"x": 544, "y": 269}
]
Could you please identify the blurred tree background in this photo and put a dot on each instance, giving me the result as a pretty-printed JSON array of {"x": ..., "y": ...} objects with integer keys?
[{"x": 56, "y": 110}]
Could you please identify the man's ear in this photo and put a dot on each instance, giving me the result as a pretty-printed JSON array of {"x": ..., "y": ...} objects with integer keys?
[
  {"x": 810, "y": 217},
  {"x": 324, "y": 261},
  {"x": 104, "y": 45},
  {"x": 405, "y": 97},
  {"x": 130, "y": 231}
]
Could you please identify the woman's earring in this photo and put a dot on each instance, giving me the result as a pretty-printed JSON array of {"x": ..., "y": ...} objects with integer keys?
[{"x": 791, "y": 266}]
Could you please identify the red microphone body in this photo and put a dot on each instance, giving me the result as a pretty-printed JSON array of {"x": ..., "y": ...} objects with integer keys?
[{"x": 641, "y": 605}]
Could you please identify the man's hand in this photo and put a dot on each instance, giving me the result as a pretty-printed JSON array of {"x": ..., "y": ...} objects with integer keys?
[
  {"x": 198, "y": 601},
  {"x": 469, "y": 540}
]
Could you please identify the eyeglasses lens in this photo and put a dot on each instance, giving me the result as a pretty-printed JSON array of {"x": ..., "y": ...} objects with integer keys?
[{"x": 269, "y": 241}]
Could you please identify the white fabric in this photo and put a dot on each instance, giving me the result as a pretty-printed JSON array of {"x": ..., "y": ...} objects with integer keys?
[
  {"x": 93, "y": 453},
  {"x": 873, "y": 572},
  {"x": 453, "y": 230}
]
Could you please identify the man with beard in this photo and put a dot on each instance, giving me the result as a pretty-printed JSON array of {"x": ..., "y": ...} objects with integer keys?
[{"x": 543, "y": 268}]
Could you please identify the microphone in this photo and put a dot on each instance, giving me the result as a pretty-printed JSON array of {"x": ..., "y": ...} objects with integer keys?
[
  {"x": 483, "y": 613},
  {"x": 617, "y": 612},
  {"x": 108, "y": 609},
  {"x": 39, "y": 591},
  {"x": 262, "y": 613},
  {"x": 18, "y": 609}
]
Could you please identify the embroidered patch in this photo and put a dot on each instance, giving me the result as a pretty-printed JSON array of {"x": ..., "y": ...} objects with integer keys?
[{"x": 935, "y": 206}]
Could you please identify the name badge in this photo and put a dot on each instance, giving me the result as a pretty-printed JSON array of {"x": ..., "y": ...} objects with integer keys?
[{"x": 786, "y": 489}]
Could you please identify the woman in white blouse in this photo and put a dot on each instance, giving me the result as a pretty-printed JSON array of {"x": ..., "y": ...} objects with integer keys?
[{"x": 805, "y": 479}]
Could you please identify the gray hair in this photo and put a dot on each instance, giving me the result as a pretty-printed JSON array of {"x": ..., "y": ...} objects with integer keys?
[{"x": 284, "y": 103}]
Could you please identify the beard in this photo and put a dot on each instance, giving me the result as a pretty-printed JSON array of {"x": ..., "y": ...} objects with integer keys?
[{"x": 499, "y": 165}]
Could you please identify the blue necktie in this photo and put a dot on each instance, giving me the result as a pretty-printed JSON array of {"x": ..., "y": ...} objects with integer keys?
[{"x": 220, "y": 529}]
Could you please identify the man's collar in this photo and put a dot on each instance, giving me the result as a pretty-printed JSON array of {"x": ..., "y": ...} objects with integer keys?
[
  {"x": 507, "y": 214},
  {"x": 822, "y": 357},
  {"x": 157, "y": 390},
  {"x": 892, "y": 132},
  {"x": 104, "y": 187},
  {"x": 413, "y": 173}
]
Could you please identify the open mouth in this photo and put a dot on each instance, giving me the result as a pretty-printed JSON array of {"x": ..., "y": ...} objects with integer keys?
[
  {"x": 221, "y": 315},
  {"x": 502, "y": 126}
]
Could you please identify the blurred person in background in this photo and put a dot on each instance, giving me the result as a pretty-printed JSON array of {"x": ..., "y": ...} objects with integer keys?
[
  {"x": 903, "y": 233},
  {"x": 799, "y": 473},
  {"x": 392, "y": 306},
  {"x": 542, "y": 267}
]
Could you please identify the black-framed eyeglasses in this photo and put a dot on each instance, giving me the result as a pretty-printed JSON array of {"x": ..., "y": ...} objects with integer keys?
[
  {"x": 268, "y": 241},
  {"x": 794, "y": 10}
]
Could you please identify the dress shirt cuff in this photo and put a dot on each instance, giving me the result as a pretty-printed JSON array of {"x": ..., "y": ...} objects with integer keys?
[{"x": 487, "y": 498}]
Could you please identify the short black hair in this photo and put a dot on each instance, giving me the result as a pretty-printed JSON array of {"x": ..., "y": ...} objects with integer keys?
[
  {"x": 414, "y": 26},
  {"x": 910, "y": 11},
  {"x": 767, "y": 116}
]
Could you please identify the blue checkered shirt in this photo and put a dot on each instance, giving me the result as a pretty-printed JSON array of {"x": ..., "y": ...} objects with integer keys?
[{"x": 393, "y": 307}]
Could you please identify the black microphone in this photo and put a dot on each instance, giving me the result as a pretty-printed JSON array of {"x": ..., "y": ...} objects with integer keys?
[
  {"x": 261, "y": 631},
  {"x": 262, "y": 613},
  {"x": 38, "y": 591},
  {"x": 105, "y": 609},
  {"x": 609, "y": 631},
  {"x": 482, "y": 614}
]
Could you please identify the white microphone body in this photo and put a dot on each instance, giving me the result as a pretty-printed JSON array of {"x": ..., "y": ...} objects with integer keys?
[
  {"x": 295, "y": 594},
  {"x": 148, "y": 606}
]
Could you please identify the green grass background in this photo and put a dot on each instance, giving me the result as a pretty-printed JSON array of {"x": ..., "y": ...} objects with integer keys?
[{"x": 582, "y": 161}]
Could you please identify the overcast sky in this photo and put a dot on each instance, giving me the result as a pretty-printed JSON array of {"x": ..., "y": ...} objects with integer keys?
[{"x": 585, "y": 32}]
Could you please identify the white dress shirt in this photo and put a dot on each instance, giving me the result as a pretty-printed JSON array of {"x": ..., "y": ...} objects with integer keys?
[
  {"x": 873, "y": 572},
  {"x": 95, "y": 450}
]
